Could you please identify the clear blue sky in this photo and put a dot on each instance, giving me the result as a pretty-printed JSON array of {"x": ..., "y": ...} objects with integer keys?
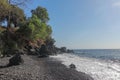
[{"x": 83, "y": 24}]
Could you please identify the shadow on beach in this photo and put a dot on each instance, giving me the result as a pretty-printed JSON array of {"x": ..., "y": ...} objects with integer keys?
[{"x": 4, "y": 66}]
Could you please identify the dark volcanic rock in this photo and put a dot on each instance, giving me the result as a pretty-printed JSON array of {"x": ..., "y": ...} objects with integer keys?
[
  {"x": 63, "y": 49},
  {"x": 43, "y": 51},
  {"x": 70, "y": 51},
  {"x": 15, "y": 60},
  {"x": 72, "y": 66}
]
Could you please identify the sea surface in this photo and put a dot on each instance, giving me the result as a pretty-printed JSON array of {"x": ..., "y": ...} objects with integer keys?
[
  {"x": 103, "y": 54},
  {"x": 101, "y": 64}
]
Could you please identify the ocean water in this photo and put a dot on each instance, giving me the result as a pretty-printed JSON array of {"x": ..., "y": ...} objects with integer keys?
[
  {"x": 101, "y": 64},
  {"x": 104, "y": 54}
]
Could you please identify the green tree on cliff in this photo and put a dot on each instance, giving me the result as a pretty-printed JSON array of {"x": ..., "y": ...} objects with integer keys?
[
  {"x": 41, "y": 13},
  {"x": 38, "y": 29},
  {"x": 34, "y": 29}
]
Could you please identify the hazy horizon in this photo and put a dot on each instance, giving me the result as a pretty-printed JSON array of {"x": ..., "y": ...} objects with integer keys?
[{"x": 83, "y": 24}]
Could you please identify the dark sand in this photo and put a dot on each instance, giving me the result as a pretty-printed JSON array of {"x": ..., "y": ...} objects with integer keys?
[{"x": 35, "y": 68}]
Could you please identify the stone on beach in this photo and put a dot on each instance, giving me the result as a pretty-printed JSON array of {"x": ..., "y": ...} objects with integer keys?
[
  {"x": 72, "y": 66},
  {"x": 15, "y": 60}
]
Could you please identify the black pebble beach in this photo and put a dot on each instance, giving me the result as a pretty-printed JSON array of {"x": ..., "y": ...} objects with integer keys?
[{"x": 35, "y": 68}]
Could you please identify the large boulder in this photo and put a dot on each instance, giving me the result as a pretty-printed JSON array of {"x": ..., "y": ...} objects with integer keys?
[
  {"x": 51, "y": 49},
  {"x": 43, "y": 51},
  {"x": 70, "y": 51},
  {"x": 63, "y": 49},
  {"x": 15, "y": 60}
]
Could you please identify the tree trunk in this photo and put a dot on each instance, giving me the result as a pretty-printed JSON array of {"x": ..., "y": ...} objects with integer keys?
[{"x": 8, "y": 23}]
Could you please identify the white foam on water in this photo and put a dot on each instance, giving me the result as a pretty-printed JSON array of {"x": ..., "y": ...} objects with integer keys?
[{"x": 98, "y": 69}]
